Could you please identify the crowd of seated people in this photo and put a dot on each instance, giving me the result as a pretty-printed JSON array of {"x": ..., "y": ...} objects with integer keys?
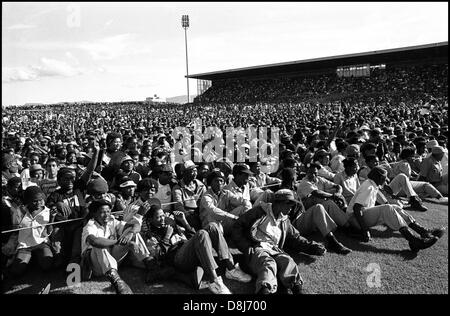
[{"x": 103, "y": 185}]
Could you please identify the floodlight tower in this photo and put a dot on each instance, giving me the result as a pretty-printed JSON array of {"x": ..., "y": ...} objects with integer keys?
[{"x": 185, "y": 25}]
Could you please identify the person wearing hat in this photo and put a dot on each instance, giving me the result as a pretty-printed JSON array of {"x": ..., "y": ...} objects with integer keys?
[
  {"x": 187, "y": 194},
  {"x": 125, "y": 197},
  {"x": 262, "y": 233},
  {"x": 364, "y": 214},
  {"x": 432, "y": 172},
  {"x": 127, "y": 166},
  {"x": 34, "y": 241},
  {"x": 308, "y": 220},
  {"x": 106, "y": 241},
  {"x": 36, "y": 175}
]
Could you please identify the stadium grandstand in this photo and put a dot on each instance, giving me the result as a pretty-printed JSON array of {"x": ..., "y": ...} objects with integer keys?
[{"x": 364, "y": 65}]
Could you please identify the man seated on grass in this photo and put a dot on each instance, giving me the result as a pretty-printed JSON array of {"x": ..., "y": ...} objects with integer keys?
[
  {"x": 186, "y": 251},
  {"x": 106, "y": 242},
  {"x": 364, "y": 214},
  {"x": 220, "y": 206},
  {"x": 262, "y": 233},
  {"x": 399, "y": 184}
]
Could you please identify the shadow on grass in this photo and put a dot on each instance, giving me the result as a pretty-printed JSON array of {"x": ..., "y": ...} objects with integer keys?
[{"x": 34, "y": 280}]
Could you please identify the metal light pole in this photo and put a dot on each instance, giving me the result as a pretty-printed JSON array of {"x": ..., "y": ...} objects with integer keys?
[{"x": 185, "y": 25}]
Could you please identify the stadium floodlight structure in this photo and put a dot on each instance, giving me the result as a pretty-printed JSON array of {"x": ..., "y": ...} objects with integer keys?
[{"x": 185, "y": 25}]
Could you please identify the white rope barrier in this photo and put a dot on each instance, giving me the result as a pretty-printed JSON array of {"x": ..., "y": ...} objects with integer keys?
[{"x": 113, "y": 213}]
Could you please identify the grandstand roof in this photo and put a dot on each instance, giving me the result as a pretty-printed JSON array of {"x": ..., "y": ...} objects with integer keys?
[{"x": 430, "y": 52}]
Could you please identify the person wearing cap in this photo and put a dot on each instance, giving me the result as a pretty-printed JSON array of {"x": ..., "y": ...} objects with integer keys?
[
  {"x": 431, "y": 170},
  {"x": 127, "y": 166},
  {"x": 308, "y": 220},
  {"x": 166, "y": 183},
  {"x": 364, "y": 214},
  {"x": 220, "y": 206},
  {"x": 36, "y": 175},
  {"x": 262, "y": 233},
  {"x": 106, "y": 241},
  {"x": 125, "y": 197},
  {"x": 34, "y": 241},
  {"x": 187, "y": 195},
  {"x": 146, "y": 189}
]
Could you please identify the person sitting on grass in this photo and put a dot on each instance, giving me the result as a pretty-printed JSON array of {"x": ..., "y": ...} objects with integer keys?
[
  {"x": 33, "y": 242},
  {"x": 106, "y": 242},
  {"x": 363, "y": 214},
  {"x": 186, "y": 251},
  {"x": 348, "y": 178},
  {"x": 262, "y": 233}
]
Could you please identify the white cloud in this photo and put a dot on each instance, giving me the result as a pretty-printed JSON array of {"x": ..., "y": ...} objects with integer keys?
[
  {"x": 20, "y": 27},
  {"x": 47, "y": 68},
  {"x": 113, "y": 47},
  {"x": 107, "y": 48}
]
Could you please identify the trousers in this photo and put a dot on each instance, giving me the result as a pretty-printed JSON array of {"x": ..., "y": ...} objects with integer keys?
[
  {"x": 198, "y": 251},
  {"x": 316, "y": 217},
  {"x": 390, "y": 215}
]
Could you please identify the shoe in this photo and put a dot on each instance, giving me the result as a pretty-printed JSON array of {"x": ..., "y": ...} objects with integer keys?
[
  {"x": 426, "y": 232},
  {"x": 119, "y": 285},
  {"x": 315, "y": 249},
  {"x": 416, "y": 243},
  {"x": 297, "y": 289},
  {"x": 264, "y": 290},
  {"x": 217, "y": 287},
  {"x": 416, "y": 204},
  {"x": 336, "y": 246},
  {"x": 86, "y": 270},
  {"x": 237, "y": 274}
]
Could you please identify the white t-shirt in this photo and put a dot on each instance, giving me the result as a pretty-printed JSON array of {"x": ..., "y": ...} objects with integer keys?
[
  {"x": 164, "y": 195},
  {"x": 112, "y": 230},
  {"x": 366, "y": 195},
  {"x": 33, "y": 237}
]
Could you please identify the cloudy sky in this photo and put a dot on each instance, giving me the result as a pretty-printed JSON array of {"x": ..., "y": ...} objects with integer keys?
[{"x": 54, "y": 52}]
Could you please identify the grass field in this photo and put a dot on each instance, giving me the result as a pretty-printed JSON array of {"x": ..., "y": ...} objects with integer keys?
[{"x": 401, "y": 271}]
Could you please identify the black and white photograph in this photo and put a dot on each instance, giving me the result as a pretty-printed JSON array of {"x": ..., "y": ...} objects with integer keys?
[{"x": 191, "y": 149}]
